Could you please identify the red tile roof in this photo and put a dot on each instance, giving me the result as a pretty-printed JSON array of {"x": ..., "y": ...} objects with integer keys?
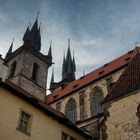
[
  {"x": 92, "y": 76},
  {"x": 40, "y": 105},
  {"x": 129, "y": 80}
]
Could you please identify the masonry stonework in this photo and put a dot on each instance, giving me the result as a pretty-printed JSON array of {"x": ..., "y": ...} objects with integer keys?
[{"x": 123, "y": 122}]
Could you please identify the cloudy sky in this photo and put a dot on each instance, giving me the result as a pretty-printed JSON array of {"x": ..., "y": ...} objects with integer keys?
[{"x": 100, "y": 30}]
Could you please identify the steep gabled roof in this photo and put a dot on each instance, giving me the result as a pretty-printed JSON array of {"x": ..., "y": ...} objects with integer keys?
[
  {"x": 92, "y": 76},
  {"x": 128, "y": 81},
  {"x": 49, "y": 111}
]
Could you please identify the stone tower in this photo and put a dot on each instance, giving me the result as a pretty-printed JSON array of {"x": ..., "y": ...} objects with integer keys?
[{"x": 28, "y": 67}]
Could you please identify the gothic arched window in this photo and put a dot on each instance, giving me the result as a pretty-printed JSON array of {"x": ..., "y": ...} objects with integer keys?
[
  {"x": 96, "y": 99},
  {"x": 70, "y": 110},
  {"x": 35, "y": 71},
  {"x": 12, "y": 70}
]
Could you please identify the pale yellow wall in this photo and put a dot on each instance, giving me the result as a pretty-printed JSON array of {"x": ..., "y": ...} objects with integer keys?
[
  {"x": 88, "y": 90},
  {"x": 122, "y": 123},
  {"x": 42, "y": 128}
]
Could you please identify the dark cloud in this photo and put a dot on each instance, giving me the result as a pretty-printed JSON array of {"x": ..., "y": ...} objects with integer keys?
[{"x": 99, "y": 29}]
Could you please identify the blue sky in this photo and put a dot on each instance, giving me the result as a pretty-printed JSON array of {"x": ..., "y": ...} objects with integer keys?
[{"x": 100, "y": 30}]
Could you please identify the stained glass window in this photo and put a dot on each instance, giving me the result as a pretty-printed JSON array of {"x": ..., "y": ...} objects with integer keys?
[
  {"x": 96, "y": 99},
  {"x": 70, "y": 110}
]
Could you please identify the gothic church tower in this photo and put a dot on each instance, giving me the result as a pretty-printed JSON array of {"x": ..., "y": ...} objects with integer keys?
[
  {"x": 28, "y": 67},
  {"x": 68, "y": 71}
]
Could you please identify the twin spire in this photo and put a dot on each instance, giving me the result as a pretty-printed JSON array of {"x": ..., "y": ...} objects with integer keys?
[
  {"x": 68, "y": 70},
  {"x": 33, "y": 36},
  {"x": 68, "y": 67}
]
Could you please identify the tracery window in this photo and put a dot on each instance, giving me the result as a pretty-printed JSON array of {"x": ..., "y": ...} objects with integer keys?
[
  {"x": 70, "y": 110},
  {"x": 12, "y": 70},
  {"x": 96, "y": 99}
]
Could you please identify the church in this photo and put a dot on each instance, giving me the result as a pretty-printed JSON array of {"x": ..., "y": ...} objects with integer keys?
[
  {"x": 101, "y": 105},
  {"x": 25, "y": 114}
]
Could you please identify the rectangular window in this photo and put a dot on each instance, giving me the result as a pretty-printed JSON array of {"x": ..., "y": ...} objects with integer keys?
[
  {"x": 64, "y": 136},
  {"x": 58, "y": 106},
  {"x": 24, "y": 124}
]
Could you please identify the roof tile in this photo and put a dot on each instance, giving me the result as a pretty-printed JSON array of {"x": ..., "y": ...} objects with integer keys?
[{"x": 92, "y": 76}]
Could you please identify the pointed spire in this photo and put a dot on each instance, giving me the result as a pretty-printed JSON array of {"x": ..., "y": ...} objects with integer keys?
[
  {"x": 27, "y": 34},
  {"x": 35, "y": 26},
  {"x": 68, "y": 42},
  {"x": 50, "y": 50},
  {"x": 52, "y": 78},
  {"x": 52, "y": 81},
  {"x": 64, "y": 67},
  {"x": 35, "y": 35},
  {"x": 68, "y": 57},
  {"x": 10, "y": 49},
  {"x": 73, "y": 61}
]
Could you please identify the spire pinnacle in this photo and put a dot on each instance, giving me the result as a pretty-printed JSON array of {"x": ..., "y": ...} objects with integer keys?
[
  {"x": 68, "y": 42},
  {"x": 37, "y": 15},
  {"x": 52, "y": 78},
  {"x": 26, "y": 36},
  {"x": 10, "y": 49},
  {"x": 50, "y": 49}
]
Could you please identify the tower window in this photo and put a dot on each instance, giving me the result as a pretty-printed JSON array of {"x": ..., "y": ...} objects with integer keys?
[
  {"x": 12, "y": 70},
  {"x": 35, "y": 71}
]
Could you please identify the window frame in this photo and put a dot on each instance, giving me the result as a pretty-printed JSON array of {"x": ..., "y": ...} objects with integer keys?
[
  {"x": 96, "y": 109},
  {"x": 70, "y": 108},
  {"x": 64, "y": 136},
  {"x": 28, "y": 130}
]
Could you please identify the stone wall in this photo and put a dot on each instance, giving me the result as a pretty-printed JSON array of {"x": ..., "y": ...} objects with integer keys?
[
  {"x": 87, "y": 95},
  {"x": 123, "y": 121},
  {"x": 23, "y": 73}
]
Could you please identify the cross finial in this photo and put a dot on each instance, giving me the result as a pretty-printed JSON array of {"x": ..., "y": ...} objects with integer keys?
[
  {"x": 68, "y": 42},
  {"x": 13, "y": 40},
  {"x": 37, "y": 14},
  {"x": 50, "y": 43}
]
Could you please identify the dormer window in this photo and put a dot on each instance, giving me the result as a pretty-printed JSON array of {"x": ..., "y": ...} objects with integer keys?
[
  {"x": 35, "y": 71},
  {"x": 12, "y": 70}
]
